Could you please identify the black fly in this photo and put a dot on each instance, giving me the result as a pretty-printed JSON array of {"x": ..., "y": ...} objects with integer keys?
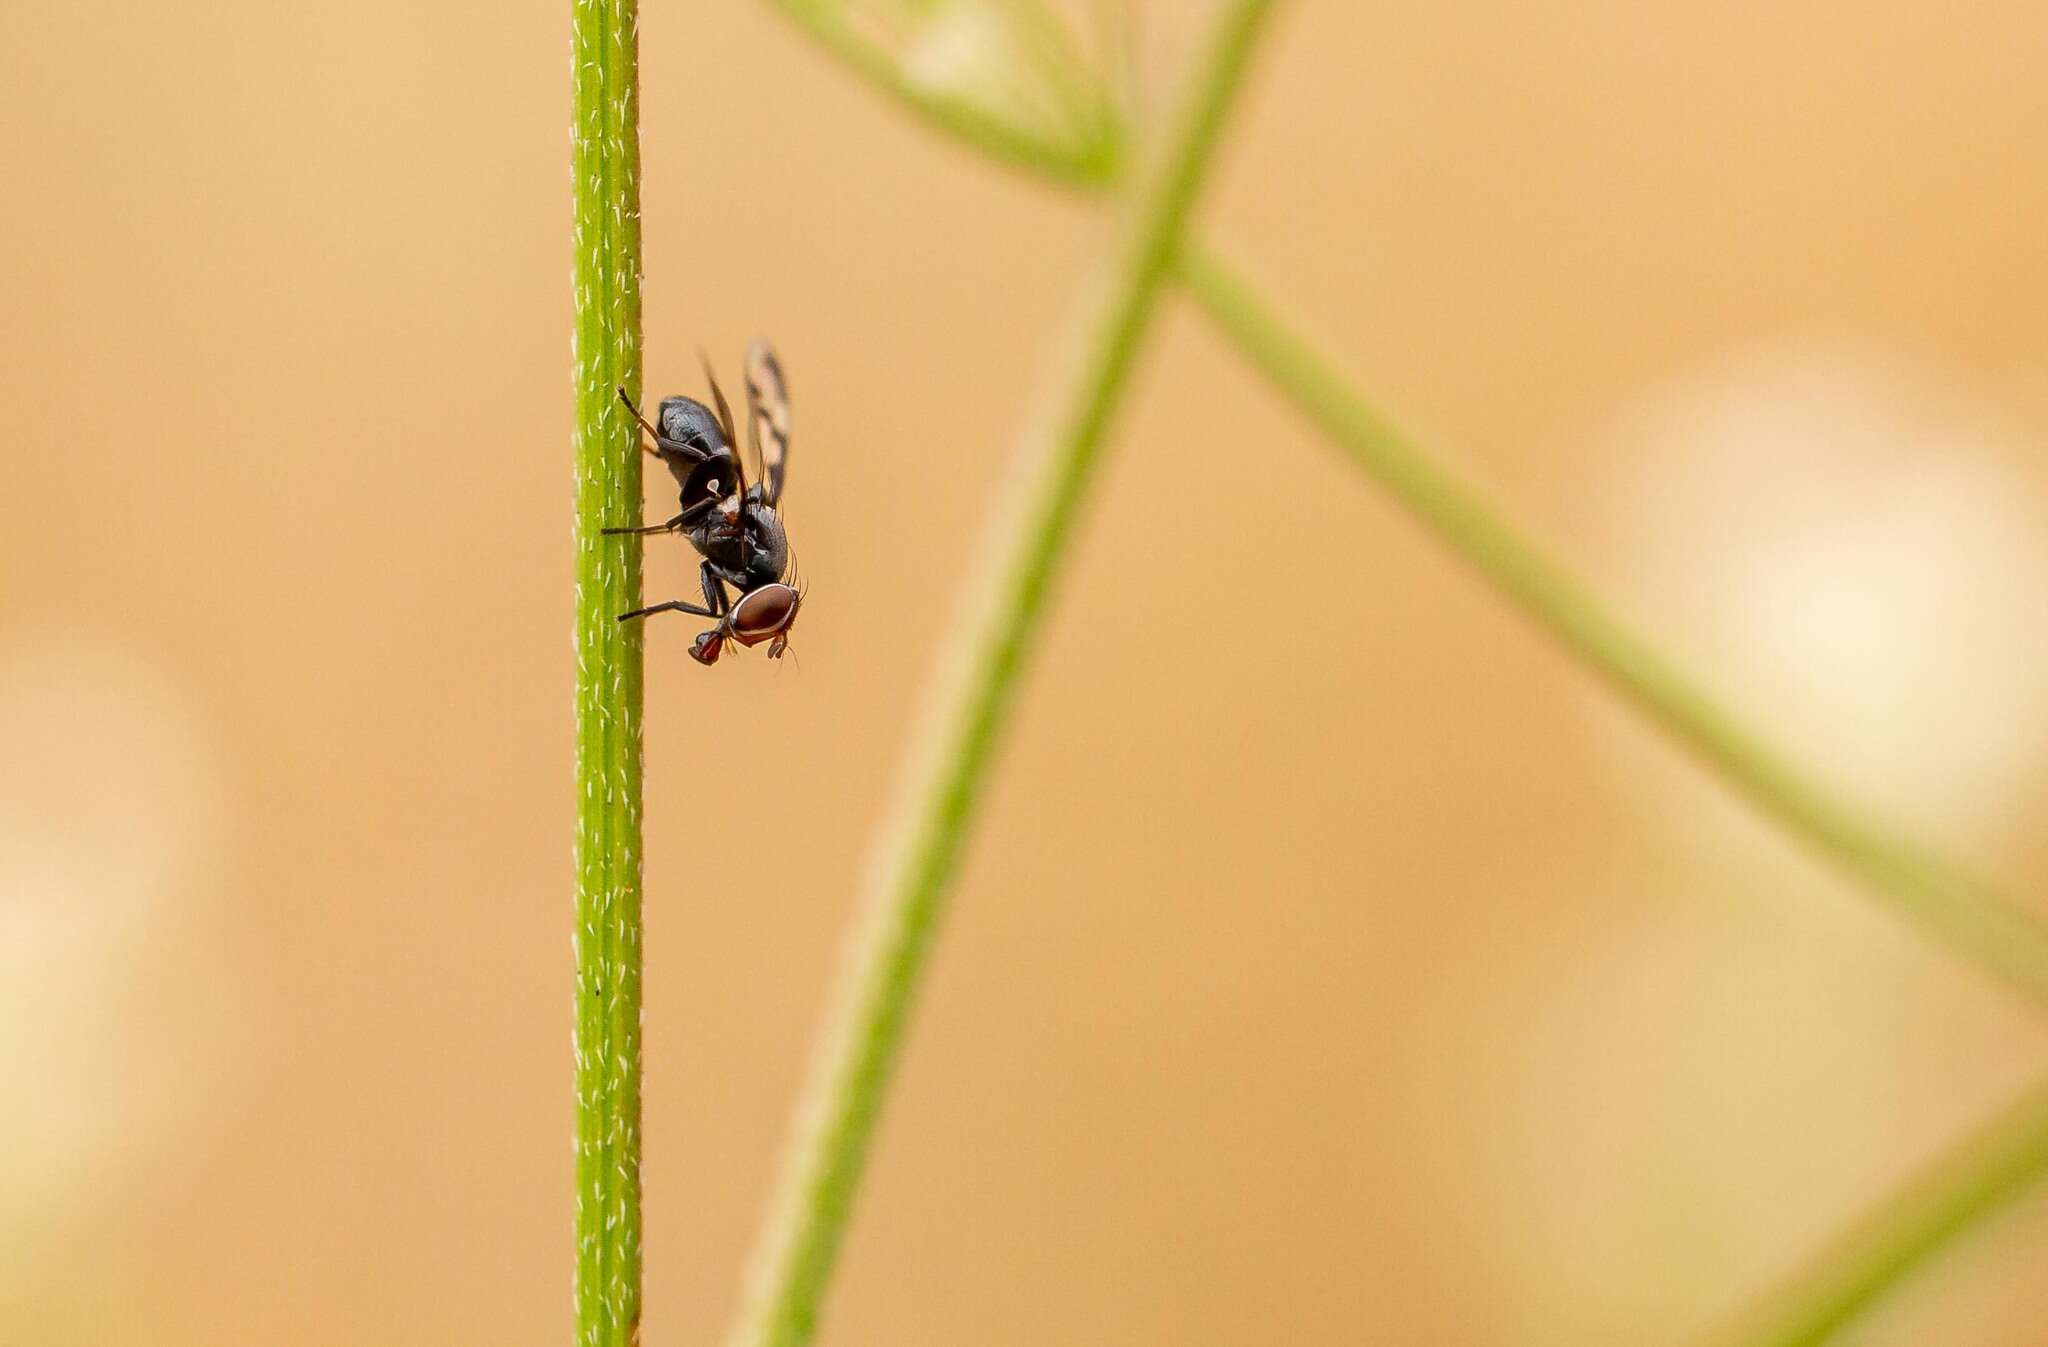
[{"x": 733, "y": 524}]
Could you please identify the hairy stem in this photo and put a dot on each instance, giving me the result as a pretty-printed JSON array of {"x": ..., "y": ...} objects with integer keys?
[
  {"x": 605, "y": 159},
  {"x": 1947, "y": 904},
  {"x": 987, "y": 652},
  {"x": 1976, "y": 1177}
]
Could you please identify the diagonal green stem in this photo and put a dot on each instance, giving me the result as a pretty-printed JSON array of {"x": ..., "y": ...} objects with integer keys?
[
  {"x": 1947, "y": 904},
  {"x": 605, "y": 159},
  {"x": 1083, "y": 162},
  {"x": 1970, "y": 918},
  {"x": 1957, "y": 908},
  {"x": 916, "y": 864},
  {"x": 1975, "y": 1178}
]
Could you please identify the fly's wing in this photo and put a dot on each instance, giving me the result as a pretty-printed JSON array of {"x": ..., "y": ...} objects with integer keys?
[
  {"x": 725, "y": 422},
  {"x": 768, "y": 418},
  {"x": 739, "y": 467}
]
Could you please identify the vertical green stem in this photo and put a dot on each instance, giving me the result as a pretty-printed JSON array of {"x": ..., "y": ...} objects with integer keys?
[
  {"x": 1977, "y": 1176},
  {"x": 914, "y": 869},
  {"x": 606, "y": 168}
]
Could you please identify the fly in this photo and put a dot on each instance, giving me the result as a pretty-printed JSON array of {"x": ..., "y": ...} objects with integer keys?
[{"x": 734, "y": 525}]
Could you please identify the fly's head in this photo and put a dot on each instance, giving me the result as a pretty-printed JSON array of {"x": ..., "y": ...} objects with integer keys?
[{"x": 764, "y": 614}]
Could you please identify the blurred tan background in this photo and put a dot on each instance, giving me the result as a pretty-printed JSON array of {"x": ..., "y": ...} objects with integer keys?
[{"x": 1373, "y": 979}]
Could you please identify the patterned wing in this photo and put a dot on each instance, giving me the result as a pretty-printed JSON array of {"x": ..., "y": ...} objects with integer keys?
[
  {"x": 768, "y": 418},
  {"x": 725, "y": 423}
]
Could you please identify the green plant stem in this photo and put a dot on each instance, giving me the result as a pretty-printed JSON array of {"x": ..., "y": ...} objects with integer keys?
[
  {"x": 606, "y": 174},
  {"x": 916, "y": 863},
  {"x": 1988, "y": 1169},
  {"x": 1972, "y": 1180},
  {"x": 1954, "y": 908},
  {"x": 1091, "y": 161},
  {"x": 1963, "y": 912}
]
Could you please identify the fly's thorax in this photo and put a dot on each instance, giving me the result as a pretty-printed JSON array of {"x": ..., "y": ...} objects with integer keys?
[
  {"x": 702, "y": 480},
  {"x": 768, "y": 545},
  {"x": 716, "y": 533},
  {"x": 764, "y": 557}
]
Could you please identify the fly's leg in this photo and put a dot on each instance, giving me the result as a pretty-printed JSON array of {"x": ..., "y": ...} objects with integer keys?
[
  {"x": 690, "y": 515},
  {"x": 641, "y": 419},
  {"x": 670, "y": 527},
  {"x": 714, "y": 592},
  {"x": 672, "y": 606},
  {"x": 710, "y": 643},
  {"x": 664, "y": 445},
  {"x": 659, "y": 442},
  {"x": 737, "y": 579}
]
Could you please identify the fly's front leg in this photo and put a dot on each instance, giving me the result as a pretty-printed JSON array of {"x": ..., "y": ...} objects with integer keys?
[
  {"x": 710, "y": 644},
  {"x": 714, "y": 592},
  {"x": 672, "y": 606},
  {"x": 737, "y": 579}
]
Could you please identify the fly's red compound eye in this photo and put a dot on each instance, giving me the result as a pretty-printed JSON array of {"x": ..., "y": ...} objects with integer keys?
[{"x": 764, "y": 613}]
